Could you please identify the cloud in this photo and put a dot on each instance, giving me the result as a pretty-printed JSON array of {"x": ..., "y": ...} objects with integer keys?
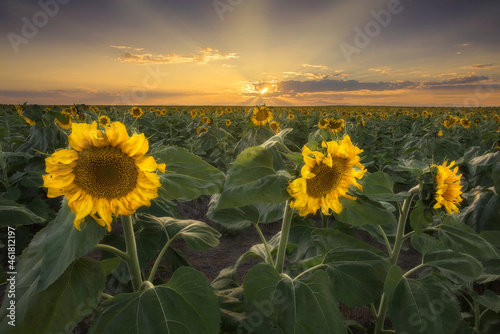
[
  {"x": 462, "y": 45},
  {"x": 204, "y": 56},
  {"x": 482, "y": 66},
  {"x": 381, "y": 70},
  {"x": 456, "y": 81},
  {"x": 123, "y": 47},
  {"x": 321, "y": 67}
]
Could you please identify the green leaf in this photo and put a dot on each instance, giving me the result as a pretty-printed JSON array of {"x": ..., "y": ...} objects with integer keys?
[
  {"x": 295, "y": 306},
  {"x": 187, "y": 176},
  {"x": 60, "y": 307},
  {"x": 197, "y": 235},
  {"x": 186, "y": 304},
  {"x": 64, "y": 243},
  {"x": 242, "y": 217},
  {"x": 14, "y": 214},
  {"x": 357, "y": 275},
  {"x": 424, "y": 243},
  {"x": 488, "y": 299},
  {"x": 110, "y": 265},
  {"x": 495, "y": 175},
  {"x": 461, "y": 238},
  {"x": 327, "y": 240},
  {"x": 379, "y": 185},
  {"x": 484, "y": 212},
  {"x": 364, "y": 211},
  {"x": 420, "y": 217},
  {"x": 460, "y": 268},
  {"x": 252, "y": 178},
  {"x": 421, "y": 306}
]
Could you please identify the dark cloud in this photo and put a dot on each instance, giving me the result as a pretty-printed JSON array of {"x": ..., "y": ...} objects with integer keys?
[{"x": 328, "y": 85}]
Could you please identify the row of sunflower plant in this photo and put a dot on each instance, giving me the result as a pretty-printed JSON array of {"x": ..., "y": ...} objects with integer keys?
[{"x": 119, "y": 191}]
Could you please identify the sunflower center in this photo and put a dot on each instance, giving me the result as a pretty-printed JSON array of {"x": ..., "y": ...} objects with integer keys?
[
  {"x": 105, "y": 172},
  {"x": 327, "y": 178},
  {"x": 261, "y": 115}
]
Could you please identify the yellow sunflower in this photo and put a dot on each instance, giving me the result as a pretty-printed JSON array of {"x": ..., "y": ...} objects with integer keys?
[
  {"x": 275, "y": 127},
  {"x": 136, "y": 112},
  {"x": 66, "y": 122},
  {"x": 193, "y": 113},
  {"x": 201, "y": 129},
  {"x": 325, "y": 178},
  {"x": 261, "y": 115},
  {"x": 465, "y": 123},
  {"x": 104, "y": 121},
  {"x": 104, "y": 174},
  {"x": 323, "y": 123},
  {"x": 228, "y": 122},
  {"x": 448, "y": 188},
  {"x": 335, "y": 125}
]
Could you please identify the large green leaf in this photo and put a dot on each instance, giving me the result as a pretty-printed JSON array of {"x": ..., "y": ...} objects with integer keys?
[
  {"x": 295, "y": 306},
  {"x": 357, "y": 274},
  {"x": 197, "y": 235},
  {"x": 461, "y": 238},
  {"x": 421, "y": 306},
  {"x": 14, "y": 214},
  {"x": 484, "y": 212},
  {"x": 364, "y": 211},
  {"x": 187, "y": 176},
  {"x": 420, "y": 217},
  {"x": 186, "y": 304},
  {"x": 60, "y": 307},
  {"x": 460, "y": 268},
  {"x": 379, "y": 185},
  {"x": 242, "y": 217},
  {"x": 52, "y": 250},
  {"x": 252, "y": 178}
]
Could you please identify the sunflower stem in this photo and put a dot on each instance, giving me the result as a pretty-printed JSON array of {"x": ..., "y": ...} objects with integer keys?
[
  {"x": 285, "y": 231},
  {"x": 114, "y": 250},
  {"x": 158, "y": 260},
  {"x": 266, "y": 245},
  {"x": 398, "y": 243},
  {"x": 133, "y": 260},
  {"x": 324, "y": 220}
]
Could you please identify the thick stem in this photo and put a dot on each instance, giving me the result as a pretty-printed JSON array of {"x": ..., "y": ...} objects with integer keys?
[
  {"x": 285, "y": 231},
  {"x": 398, "y": 243},
  {"x": 324, "y": 220},
  {"x": 133, "y": 260},
  {"x": 266, "y": 245}
]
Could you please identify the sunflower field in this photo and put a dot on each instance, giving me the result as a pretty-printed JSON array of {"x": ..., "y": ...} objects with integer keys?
[{"x": 90, "y": 215}]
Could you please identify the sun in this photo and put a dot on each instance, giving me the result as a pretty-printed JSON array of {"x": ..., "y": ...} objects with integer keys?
[{"x": 265, "y": 90}]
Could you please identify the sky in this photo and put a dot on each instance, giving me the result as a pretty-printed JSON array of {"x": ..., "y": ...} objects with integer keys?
[{"x": 250, "y": 52}]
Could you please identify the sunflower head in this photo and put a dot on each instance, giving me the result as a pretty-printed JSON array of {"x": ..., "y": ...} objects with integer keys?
[
  {"x": 65, "y": 121},
  {"x": 275, "y": 127},
  {"x": 136, "y": 112},
  {"x": 104, "y": 173},
  {"x": 447, "y": 187},
  {"x": 326, "y": 177},
  {"x": 228, "y": 122},
  {"x": 465, "y": 123},
  {"x": 104, "y": 121},
  {"x": 335, "y": 125},
  {"x": 261, "y": 115}
]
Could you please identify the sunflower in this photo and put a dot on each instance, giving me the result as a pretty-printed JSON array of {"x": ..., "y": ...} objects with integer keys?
[
  {"x": 369, "y": 115},
  {"x": 66, "y": 122},
  {"x": 261, "y": 115},
  {"x": 206, "y": 120},
  {"x": 335, "y": 125},
  {"x": 275, "y": 126},
  {"x": 291, "y": 117},
  {"x": 448, "y": 188},
  {"x": 220, "y": 112},
  {"x": 136, "y": 112},
  {"x": 104, "y": 121},
  {"x": 323, "y": 123},
  {"x": 440, "y": 133},
  {"x": 193, "y": 113},
  {"x": 228, "y": 110},
  {"x": 201, "y": 129},
  {"x": 465, "y": 123},
  {"x": 104, "y": 174},
  {"x": 228, "y": 122},
  {"x": 325, "y": 178}
]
